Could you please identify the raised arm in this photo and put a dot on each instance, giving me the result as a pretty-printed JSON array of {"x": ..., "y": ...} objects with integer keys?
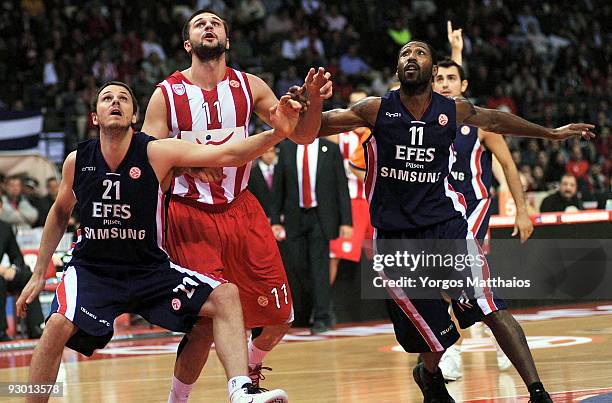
[
  {"x": 55, "y": 227},
  {"x": 493, "y": 120},
  {"x": 361, "y": 114},
  {"x": 156, "y": 122},
  {"x": 167, "y": 154},
  {"x": 455, "y": 38},
  {"x": 318, "y": 87},
  {"x": 496, "y": 143}
]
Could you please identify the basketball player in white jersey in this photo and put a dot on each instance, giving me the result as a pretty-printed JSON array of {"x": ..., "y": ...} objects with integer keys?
[{"x": 218, "y": 227}]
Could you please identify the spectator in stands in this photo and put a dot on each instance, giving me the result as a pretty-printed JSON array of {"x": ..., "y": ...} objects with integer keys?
[
  {"x": 313, "y": 44},
  {"x": 104, "y": 69},
  {"x": 279, "y": 23},
  {"x": 290, "y": 49},
  {"x": 12, "y": 279},
  {"x": 599, "y": 182},
  {"x": 262, "y": 178},
  {"x": 153, "y": 69},
  {"x": 45, "y": 202},
  {"x": 566, "y": 197},
  {"x": 578, "y": 167},
  {"x": 335, "y": 20},
  {"x": 30, "y": 191},
  {"x": 17, "y": 210},
  {"x": 287, "y": 79},
  {"x": 150, "y": 45},
  {"x": 501, "y": 101},
  {"x": 251, "y": 12},
  {"x": 352, "y": 64},
  {"x": 399, "y": 32}
]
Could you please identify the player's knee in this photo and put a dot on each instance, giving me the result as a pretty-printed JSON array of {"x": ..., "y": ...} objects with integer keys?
[
  {"x": 58, "y": 329},
  {"x": 225, "y": 297}
]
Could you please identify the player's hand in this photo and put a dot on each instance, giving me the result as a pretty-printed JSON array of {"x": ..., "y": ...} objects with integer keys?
[
  {"x": 207, "y": 175},
  {"x": 284, "y": 116},
  {"x": 29, "y": 293},
  {"x": 279, "y": 232},
  {"x": 455, "y": 36},
  {"x": 298, "y": 94},
  {"x": 318, "y": 84},
  {"x": 523, "y": 227},
  {"x": 582, "y": 130},
  {"x": 346, "y": 231}
]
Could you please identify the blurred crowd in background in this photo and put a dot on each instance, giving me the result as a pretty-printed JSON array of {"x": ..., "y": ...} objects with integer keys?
[{"x": 547, "y": 61}]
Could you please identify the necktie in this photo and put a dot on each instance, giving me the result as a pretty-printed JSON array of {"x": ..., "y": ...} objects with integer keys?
[
  {"x": 269, "y": 178},
  {"x": 306, "y": 197}
]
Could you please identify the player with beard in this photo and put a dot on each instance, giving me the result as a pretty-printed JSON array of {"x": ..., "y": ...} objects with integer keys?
[
  {"x": 217, "y": 226},
  {"x": 409, "y": 156}
]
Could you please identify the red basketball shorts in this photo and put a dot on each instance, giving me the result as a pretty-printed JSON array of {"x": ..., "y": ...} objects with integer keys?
[
  {"x": 350, "y": 249},
  {"x": 234, "y": 242}
]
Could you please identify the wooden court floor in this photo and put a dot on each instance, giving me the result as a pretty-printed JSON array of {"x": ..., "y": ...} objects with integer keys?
[{"x": 573, "y": 355}]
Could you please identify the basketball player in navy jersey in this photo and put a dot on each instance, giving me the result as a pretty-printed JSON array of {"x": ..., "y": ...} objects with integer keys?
[
  {"x": 471, "y": 176},
  {"x": 118, "y": 266},
  {"x": 409, "y": 156}
]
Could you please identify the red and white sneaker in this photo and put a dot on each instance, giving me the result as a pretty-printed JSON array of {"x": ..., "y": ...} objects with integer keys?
[{"x": 250, "y": 394}]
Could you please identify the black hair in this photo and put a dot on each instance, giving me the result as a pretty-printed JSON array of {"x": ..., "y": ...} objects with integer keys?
[
  {"x": 446, "y": 63},
  {"x": 187, "y": 24},
  {"x": 94, "y": 102}
]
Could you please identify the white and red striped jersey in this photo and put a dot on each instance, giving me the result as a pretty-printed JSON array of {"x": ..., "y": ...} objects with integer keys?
[
  {"x": 349, "y": 142},
  {"x": 212, "y": 117}
]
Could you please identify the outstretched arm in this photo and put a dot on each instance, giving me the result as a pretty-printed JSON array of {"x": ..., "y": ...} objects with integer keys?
[
  {"x": 55, "y": 227},
  {"x": 317, "y": 87},
  {"x": 493, "y": 120},
  {"x": 164, "y": 155},
  {"x": 361, "y": 114}
]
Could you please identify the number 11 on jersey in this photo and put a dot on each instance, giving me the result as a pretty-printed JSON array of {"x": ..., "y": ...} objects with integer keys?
[{"x": 275, "y": 293}]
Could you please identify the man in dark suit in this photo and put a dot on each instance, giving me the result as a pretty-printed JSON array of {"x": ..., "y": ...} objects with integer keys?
[
  {"x": 261, "y": 179},
  {"x": 311, "y": 192},
  {"x": 12, "y": 279}
]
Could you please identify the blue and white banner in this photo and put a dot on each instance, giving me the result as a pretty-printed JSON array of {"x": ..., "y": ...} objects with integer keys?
[{"x": 20, "y": 131}]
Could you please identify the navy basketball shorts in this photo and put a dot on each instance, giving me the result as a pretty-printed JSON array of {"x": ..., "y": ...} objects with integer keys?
[
  {"x": 92, "y": 295},
  {"x": 478, "y": 214},
  {"x": 423, "y": 324}
]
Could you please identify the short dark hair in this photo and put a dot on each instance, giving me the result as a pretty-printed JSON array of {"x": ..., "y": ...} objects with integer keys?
[
  {"x": 18, "y": 177},
  {"x": 94, "y": 102},
  {"x": 187, "y": 24},
  {"x": 446, "y": 63},
  {"x": 432, "y": 50}
]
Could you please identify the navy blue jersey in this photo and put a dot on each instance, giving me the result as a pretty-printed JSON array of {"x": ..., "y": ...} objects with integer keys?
[
  {"x": 408, "y": 162},
  {"x": 472, "y": 171},
  {"x": 120, "y": 211}
]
